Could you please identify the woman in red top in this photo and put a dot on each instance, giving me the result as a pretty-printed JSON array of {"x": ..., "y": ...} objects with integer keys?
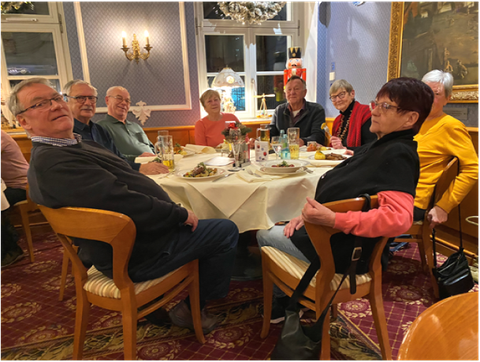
[
  {"x": 351, "y": 128},
  {"x": 208, "y": 130}
]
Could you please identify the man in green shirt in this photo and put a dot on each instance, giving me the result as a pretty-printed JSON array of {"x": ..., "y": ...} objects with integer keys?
[{"x": 129, "y": 137}]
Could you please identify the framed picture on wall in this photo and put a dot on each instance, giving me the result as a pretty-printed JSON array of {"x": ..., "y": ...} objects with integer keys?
[{"x": 436, "y": 35}]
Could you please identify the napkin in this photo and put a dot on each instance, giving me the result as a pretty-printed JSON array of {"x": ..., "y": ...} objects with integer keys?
[
  {"x": 199, "y": 149},
  {"x": 176, "y": 157}
]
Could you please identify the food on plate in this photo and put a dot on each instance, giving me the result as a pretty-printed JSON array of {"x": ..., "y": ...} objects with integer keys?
[
  {"x": 312, "y": 147},
  {"x": 201, "y": 171},
  {"x": 319, "y": 155},
  {"x": 284, "y": 164},
  {"x": 323, "y": 148},
  {"x": 156, "y": 159},
  {"x": 334, "y": 157},
  {"x": 178, "y": 150}
]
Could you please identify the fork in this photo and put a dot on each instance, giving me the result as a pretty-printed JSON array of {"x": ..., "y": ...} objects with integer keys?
[{"x": 252, "y": 173}]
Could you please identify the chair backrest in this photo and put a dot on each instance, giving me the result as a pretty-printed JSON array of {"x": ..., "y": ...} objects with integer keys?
[
  {"x": 445, "y": 180},
  {"x": 109, "y": 227},
  {"x": 320, "y": 237}
]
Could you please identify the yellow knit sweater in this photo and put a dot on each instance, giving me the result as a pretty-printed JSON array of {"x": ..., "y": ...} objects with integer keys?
[{"x": 438, "y": 140}]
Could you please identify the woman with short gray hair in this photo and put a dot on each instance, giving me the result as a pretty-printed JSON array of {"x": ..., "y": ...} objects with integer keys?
[{"x": 352, "y": 127}]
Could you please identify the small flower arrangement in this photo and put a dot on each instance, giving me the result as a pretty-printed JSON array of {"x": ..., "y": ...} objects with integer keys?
[{"x": 244, "y": 129}]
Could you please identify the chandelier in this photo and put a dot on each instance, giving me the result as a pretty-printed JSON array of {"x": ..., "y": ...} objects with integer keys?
[
  {"x": 6, "y": 6},
  {"x": 251, "y": 12}
]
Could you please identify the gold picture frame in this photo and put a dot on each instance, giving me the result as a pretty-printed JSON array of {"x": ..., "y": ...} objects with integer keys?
[{"x": 461, "y": 93}]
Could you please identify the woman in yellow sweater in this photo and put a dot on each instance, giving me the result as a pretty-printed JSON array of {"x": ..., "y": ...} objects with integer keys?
[{"x": 440, "y": 138}]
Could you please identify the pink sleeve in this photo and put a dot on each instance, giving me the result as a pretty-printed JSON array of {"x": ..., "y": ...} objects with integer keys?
[
  {"x": 393, "y": 217},
  {"x": 200, "y": 138}
]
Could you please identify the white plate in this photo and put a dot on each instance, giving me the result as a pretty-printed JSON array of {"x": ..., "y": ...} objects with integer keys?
[
  {"x": 333, "y": 150},
  {"x": 220, "y": 172},
  {"x": 298, "y": 164},
  {"x": 315, "y": 162},
  {"x": 275, "y": 171},
  {"x": 189, "y": 152}
]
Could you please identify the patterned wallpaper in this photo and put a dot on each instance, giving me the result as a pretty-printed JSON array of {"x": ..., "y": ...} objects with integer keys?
[
  {"x": 157, "y": 81},
  {"x": 71, "y": 26},
  {"x": 356, "y": 39}
]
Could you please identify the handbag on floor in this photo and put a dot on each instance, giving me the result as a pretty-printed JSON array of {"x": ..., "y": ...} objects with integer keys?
[
  {"x": 297, "y": 342},
  {"x": 454, "y": 275}
]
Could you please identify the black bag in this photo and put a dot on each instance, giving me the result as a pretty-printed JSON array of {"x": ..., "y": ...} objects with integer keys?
[
  {"x": 297, "y": 342},
  {"x": 454, "y": 276}
]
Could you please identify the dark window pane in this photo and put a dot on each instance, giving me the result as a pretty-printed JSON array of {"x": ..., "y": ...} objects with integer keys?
[
  {"x": 271, "y": 84},
  {"x": 55, "y": 83},
  {"x": 271, "y": 53},
  {"x": 211, "y": 10},
  {"x": 37, "y": 8},
  {"x": 282, "y": 15},
  {"x": 224, "y": 51},
  {"x": 238, "y": 94},
  {"x": 29, "y": 53}
]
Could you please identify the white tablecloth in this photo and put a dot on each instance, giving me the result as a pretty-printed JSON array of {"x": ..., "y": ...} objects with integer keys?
[
  {"x": 5, "y": 204},
  {"x": 251, "y": 206}
]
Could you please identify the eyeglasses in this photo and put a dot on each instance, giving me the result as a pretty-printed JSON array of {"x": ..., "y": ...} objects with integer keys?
[
  {"x": 120, "y": 99},
  {"x": 45, "y": 104},
  {"x": 383, "y": 106},
  {"x": 339, "y": 96},
  {"x": 83, "y": 99}
]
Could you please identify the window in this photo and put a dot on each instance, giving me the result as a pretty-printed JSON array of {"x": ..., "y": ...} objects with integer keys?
[
  {"x": 258, "y": 53},
  {"x": 33, "y": 44}
]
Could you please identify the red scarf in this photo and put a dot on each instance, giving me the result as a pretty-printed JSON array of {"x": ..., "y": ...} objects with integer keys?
[{"x": 360, "y": 114}]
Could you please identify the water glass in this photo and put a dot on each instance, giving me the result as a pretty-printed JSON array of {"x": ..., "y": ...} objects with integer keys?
[
  {"x": 162, "y": 133},
  {"x": 276, "y": 145},
  {"x": 168, "y": 158}
]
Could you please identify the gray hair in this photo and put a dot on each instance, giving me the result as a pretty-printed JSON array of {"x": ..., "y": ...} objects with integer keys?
[
  {"x": 68, "y": 87},
  {"x": 339, "y": 84},
  {"x": 438, "y": 76},
  {"x": 111, "y": 89},
  {"x": 13, "y": 104}
]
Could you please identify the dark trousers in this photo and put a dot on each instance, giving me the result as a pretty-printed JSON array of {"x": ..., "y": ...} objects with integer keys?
[
  {"x": 9, "y": 235},
  {"x": 418, "y": 214},
  {"x": 213, "y": 243}
]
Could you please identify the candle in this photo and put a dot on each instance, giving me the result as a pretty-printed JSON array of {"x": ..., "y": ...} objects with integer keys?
[
  {"x": 124, "y": 36},
  {"x": 146, "y": 36}
]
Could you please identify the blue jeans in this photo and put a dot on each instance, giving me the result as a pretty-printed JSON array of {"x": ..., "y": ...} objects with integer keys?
[
  {"x": 274, "y": 237},
  {"x": 214, "y": 244}
]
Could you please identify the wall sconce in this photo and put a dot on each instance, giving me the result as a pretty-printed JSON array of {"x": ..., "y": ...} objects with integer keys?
[{"x": 136, "y": 53}]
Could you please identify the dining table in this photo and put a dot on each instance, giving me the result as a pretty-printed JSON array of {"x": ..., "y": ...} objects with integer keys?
[{"x": 251, "y": 202}]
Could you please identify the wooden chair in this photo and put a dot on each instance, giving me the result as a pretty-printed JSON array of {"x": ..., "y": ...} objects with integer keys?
[
  {"x": 448, "y": 330},
  {"x": 24, "y": 207},
  {"x": 119, "y": 293},
  {"x": 286, "y": 271},
  {"x": 420, "y": 230}
]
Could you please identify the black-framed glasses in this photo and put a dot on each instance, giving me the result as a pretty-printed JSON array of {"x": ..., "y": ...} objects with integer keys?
[
  {"x": 339, "y": 96},
  {"x": 120, "y": 99},
  {"x": 384, "y": 106},
  {"x": 83, "y": 99},
  {"x": 45, "y": 104}
]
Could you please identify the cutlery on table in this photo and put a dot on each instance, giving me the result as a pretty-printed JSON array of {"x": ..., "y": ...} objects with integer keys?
[
  {"x": 250, "y": 172},
  {"x": 223, "y": 177}
]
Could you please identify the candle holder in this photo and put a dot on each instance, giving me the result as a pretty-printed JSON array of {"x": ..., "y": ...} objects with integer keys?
[{"x": 136, "y": 53}]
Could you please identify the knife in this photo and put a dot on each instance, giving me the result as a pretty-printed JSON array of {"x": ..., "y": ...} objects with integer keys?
[{"x": 223, "y": 177}]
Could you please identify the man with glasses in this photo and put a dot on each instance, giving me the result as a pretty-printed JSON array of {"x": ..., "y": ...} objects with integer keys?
[
  {"x": 297, "y": 112},
  {"x": 351, "y": 128},
  {"x": 68, "y": 171},
  {"x": 82, "y": 100},
  {"x": 129, "y": 137}
]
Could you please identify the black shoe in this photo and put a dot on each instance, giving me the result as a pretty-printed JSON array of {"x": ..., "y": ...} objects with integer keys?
[
  {"x": 159, "y": 317},
  {"x": 278, "y": 309},
  {"x": 12, "y": 257}
]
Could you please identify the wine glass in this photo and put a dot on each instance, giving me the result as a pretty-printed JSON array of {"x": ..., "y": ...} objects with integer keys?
[{"x": 276, "y": 145}]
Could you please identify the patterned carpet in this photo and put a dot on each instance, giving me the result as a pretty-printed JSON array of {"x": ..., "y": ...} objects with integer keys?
[{"x": 36, "y": 326}]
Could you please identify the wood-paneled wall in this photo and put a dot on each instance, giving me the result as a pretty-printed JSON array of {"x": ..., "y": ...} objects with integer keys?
[{"x": 447, "y": 232}]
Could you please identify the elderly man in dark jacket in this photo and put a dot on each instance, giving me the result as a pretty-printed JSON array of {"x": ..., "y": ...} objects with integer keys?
[{"x": 297, "y": 112}]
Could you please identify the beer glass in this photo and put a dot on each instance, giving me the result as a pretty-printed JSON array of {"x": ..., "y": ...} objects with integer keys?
[
  {"x": 168, "y": 159},
  {"x": 263, "y": 132}
]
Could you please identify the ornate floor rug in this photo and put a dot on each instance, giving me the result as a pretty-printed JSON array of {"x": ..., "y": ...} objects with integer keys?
[{"x": 36, "y": 326}]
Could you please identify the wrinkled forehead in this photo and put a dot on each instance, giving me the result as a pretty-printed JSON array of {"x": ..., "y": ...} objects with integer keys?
[
  {"x": 338, "y": 91},
  {"x": 35, "y": 92},
  {"x": 120, "y": 92},
  {"x": 82, "y": 89},
  {"x": 294, "y": 84}
]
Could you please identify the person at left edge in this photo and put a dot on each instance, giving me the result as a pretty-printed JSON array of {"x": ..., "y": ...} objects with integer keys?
[{"x": 82, "y": 101}]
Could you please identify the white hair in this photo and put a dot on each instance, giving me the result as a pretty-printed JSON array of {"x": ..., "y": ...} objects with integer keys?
[
  {"x": 111, "y": 89},
  {"x": 13, "y": 104},
  {"x": 68, "y": 87},
  {"x": 438, "y": 76}
]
